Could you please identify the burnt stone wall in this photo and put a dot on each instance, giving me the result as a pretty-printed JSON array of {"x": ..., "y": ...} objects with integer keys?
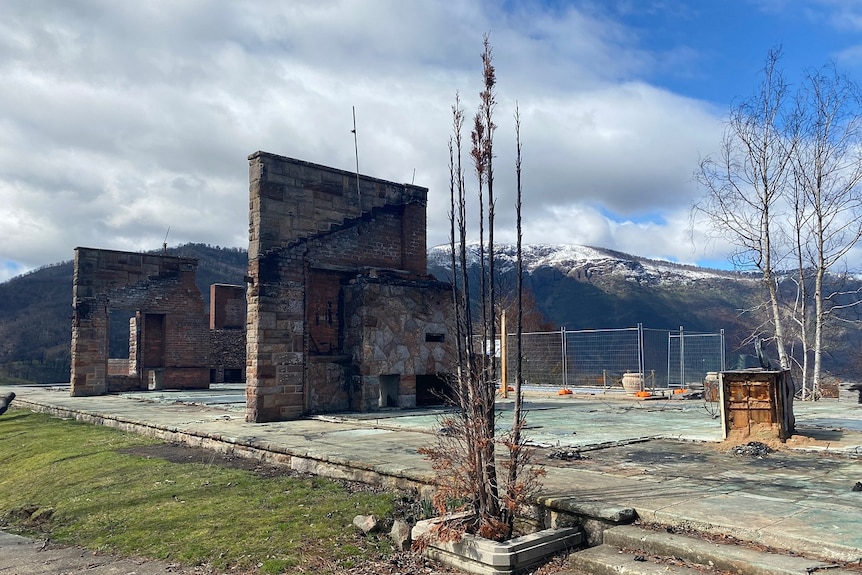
[
  {"x": 163, "y": 289},
  {"x": 322, "y": 317},
  {"x": 329, "y": 378},
  {"x": 227, "y": 355},
  {"x": 227, "y": 333},
  {"x": 310, "y": 232},
  {"x": 397, "y": 327}
]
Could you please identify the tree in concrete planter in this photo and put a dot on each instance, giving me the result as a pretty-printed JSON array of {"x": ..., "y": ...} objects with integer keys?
[{"x": 491, "y": 492}]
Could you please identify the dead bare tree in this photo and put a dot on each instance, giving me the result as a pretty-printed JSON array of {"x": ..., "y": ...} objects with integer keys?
[
  {"x": 744, "y": 186},
  {"x": 521, "y": 480},
  {"x": 828, "y": 172},
  {"x": 456, "y": 191},
  {"x": 465, "y": 455}
]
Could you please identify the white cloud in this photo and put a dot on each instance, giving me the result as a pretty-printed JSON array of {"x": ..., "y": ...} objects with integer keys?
[{"x": 121, "y": 119}]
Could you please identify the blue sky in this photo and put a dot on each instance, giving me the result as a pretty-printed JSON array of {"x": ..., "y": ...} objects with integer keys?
[
  {"x": 120, "y": 120},
  {"x": 711, "y": 49}
]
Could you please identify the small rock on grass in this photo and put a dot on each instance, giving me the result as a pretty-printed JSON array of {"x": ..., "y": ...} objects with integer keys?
[
  {"x": 400, "y": 534},
  {"x": 367, "y": 523}
]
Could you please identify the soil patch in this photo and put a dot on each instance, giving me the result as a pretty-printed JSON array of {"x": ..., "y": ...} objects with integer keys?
[{"x": 179, "y": 453}]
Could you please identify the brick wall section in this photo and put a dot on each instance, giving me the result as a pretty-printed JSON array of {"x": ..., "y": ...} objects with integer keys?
[
  {"x": 322, "y": 316},
  {"x": 227, "y": 306},
  {"x": 118, "y": 367},
  {"x": 304, "y": 218},
  {"x": 153, "y": 337},
  {"x": 414, "y": 240},
  {"x": 153, "y": 284}
]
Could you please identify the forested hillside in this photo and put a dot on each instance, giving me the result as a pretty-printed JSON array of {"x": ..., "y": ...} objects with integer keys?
[{"x": 572, "y": 286}]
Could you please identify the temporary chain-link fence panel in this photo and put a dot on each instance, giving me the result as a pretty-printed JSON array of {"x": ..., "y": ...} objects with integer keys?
[
  {"x": 600, "y": 357},
  {"x": 692, "y": 355},
  {"x": 542, "y": 355}
]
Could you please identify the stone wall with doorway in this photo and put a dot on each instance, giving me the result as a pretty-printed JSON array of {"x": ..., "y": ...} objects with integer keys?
[{"x": 172, "y": 337}]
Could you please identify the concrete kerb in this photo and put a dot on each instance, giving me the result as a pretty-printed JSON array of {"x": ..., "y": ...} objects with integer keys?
[{"x": 593, "y": 517}]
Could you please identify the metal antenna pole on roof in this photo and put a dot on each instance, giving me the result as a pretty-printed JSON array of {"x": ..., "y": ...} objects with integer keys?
[
  {"x": 165, "y": 243},
  {"x": 356, "y": 149}
]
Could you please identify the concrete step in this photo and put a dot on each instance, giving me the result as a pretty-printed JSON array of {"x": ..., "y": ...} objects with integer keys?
[
  {"x": 609, "y": 560},
  {"x": 661, "y": 545}
]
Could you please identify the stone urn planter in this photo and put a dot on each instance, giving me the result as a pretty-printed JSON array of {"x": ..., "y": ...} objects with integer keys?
[
  {"x": 486, "y": 557},
  {"x": 633, "y": 382}
]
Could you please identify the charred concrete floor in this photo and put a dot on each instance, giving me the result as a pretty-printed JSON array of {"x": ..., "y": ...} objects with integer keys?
[{"x": 662, "y": 459}]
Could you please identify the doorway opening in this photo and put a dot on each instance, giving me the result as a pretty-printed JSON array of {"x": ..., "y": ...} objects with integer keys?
[{"x": 432, "y": 390}]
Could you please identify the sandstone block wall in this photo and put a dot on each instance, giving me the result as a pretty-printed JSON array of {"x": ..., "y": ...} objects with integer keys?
[
  {"x": 398, "y": 328},
  {"x": 312, "y": 230}
]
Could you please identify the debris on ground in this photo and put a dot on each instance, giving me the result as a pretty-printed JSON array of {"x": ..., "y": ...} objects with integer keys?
[
  {"x": 400, "y": 535},
  {"x": 752, "y": 449},
  {"x": 566, "y": 455},
  {"x": 689, "y": 394}
]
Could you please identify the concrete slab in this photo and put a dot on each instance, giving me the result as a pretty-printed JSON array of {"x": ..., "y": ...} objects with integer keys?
[{"x": 648, "y": 456}]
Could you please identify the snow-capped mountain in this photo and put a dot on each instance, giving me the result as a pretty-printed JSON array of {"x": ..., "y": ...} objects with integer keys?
[{"x": 582, "y": 263}]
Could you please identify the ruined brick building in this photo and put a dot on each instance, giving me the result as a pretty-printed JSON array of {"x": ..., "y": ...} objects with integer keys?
[
  {"x": 150, "y": 305},
  {"x": 341, "y": 311},
  {"x": 338, "y": 313},
  {"x": 168, "y": 335}
]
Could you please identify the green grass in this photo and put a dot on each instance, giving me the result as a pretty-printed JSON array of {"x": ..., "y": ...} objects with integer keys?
[{"x": 72, "y": 481}]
